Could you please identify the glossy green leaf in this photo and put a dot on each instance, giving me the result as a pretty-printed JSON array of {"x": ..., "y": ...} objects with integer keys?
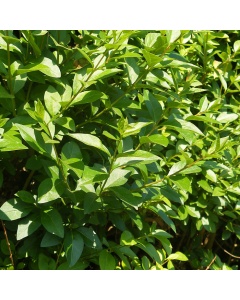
[
  {"x": 134, "y": 200},
  {"x": 28, "y": 225},
  {"x": 44, "y": 65},
  {"x": 73, "y": 246},
  {"x": 132, "y": 69},
  {"x": 50, "y": 190},
  {"x": 135, "y": 157},
  {"x": 87, "y": 97},
  {"x": 52, "y": 222},
  {"x": 127, "y": 239},
  {"x": 106, "y": 261},
  {"x": 52, "y": 101},
  {"x": 155, "y": 139},
  {"x": 4, "y": 93},
  {"x": 14, "y": 209},
  {"x": 117, "y": 177},
  {"x": 90, "y": 140},
  {"x": 178, "y": 166},
  {"x": 177, "y": 256},
  {"x": 225, "y": 117}
]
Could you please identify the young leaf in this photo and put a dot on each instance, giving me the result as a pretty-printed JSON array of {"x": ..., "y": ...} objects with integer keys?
[
  {"x": 178, "y": 256},
  {"x": 155, "y": 139},
  {"x": 52, "y": 221},
  {"x": 127, "y": 239},
  {"x": 73, "y": 246}
]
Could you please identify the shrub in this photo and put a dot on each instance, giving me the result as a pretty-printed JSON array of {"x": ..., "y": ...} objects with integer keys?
[{"x": 119, "y": 149}]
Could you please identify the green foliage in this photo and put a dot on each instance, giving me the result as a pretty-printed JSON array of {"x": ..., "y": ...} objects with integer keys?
[{"x": 119, "y": 149}]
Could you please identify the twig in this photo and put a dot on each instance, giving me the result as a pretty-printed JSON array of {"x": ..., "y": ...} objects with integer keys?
[
  {"x": 8, "y": 244},
  {"x": 238, "y": 257},
  {"x": 207, "y": 268}
]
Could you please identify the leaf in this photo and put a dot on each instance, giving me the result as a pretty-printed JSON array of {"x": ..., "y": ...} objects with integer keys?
[
  {"x": 106, "y": 261},
  {"x": 25, "y": 196},
  {"x": 150, "y": 250},
  {"x": 155, "y": 139},
  {"x": 203, "y": 184},
  {"x": 178, "y": 256},
  {"x": 87, "y": 97},
  {"x": 44, "y": 65},
  {"x": 49, "y": 190},
  {"x": 173, "y": 35},
  {"x": 66, "y": 122},
  {"x": 177, "y": 167},
  {"x": 73, "y": 246},
  {"x": 11, "y": 142},
  {"x": 225, "y": 117},
  {"x": 116, "y": 178},
  {"x": 191, "y": 170},
  {"x": 101, "y": 74},
  {"x": 127, "y": 197},
  {"x": 134, "y": 128},
  {"x": 52, "y": 221},
  {"x": 193, "y": 211},
  {"x": 14, "y": 209},
  {"x": 52, "y": 101},
  {"x": 236, "y": 46},
  {"x": 27, "y": 226},
  {"x": 4, "y": 93},
  {"x": 164, "y": 216},
  {"x": 90, "y": 140},
  {"x": 151, "y": 59},
  {"x": 182, "y": 182},
  {"x": 132, "y": 69},
  {"x": 35, "y": 140},
  {"x": 50, "y": 240},
  {"x": 183, "y": 124},
  {"x": 153, "y": 106},
  {"x": 90, "y": 237},
  {"x": 134, "y": 157},
  {"x": 127, "y": 238}
]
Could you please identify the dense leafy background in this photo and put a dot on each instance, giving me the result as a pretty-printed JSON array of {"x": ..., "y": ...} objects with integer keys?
[{"x": 119, "y": 149}]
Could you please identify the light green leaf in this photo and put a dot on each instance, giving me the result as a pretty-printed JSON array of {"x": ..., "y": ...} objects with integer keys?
[
  {"x": 191, "y": 170},
  {"x": 117, "y": 177},
  {"x": 27, "y": 226},
  {"x": 101, "y": 74},
  {"x": 178, "y": 256},
  {"x": 127, "y": 238},
  {"x": 203, "y": 184},
  {"x": 44, "y": 65},
  {"x": 52, "y": 100},
  {"x": 14, "y": 209},
  {"x": 90, "y": 140},
  {"x": 134, "y": 128},
  {"x": 211, "y": 175},
  {"x": 11, "y": 142},
  {"x": 50, "y": 190},
  {"x": 132, "y": 69},
  {"x": 52, "y": 221},
  {"x": 106, "y": 261},
  {"x": 155, "y": 139},
  {"x": 66, "y": 122},
  {"x": 87, "y": 97},
  {"x": 177, "y": 167},
  {"x": 73, "y": 246},
  {"x": 134, "y": 157},
  {"x": 225, "y": 117},
  {"x": 192, "y": 211},
  {"x": 182, "y": 182},
  {"x": 236, "y": 46},
  {"x": 173, "y": 35},
  {"x": 151, "y": 59}
]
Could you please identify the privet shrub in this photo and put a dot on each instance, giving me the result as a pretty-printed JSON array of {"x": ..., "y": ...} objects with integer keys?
[{"x": 119, "y": 149}]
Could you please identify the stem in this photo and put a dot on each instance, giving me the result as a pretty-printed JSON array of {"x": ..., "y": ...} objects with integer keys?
[{"x": 8, "y": 244}]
